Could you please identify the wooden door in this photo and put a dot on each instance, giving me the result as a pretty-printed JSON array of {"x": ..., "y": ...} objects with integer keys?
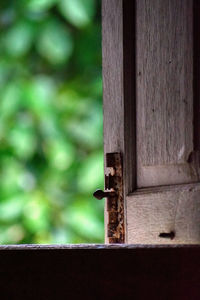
[{"x": 152, "y": 115}]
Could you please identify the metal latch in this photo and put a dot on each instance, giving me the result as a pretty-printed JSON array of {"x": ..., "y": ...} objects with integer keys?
[{"x": 114, "y": 194}]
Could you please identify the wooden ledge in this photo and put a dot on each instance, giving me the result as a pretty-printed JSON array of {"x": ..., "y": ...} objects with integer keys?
[{"x": 94, "y": 247}]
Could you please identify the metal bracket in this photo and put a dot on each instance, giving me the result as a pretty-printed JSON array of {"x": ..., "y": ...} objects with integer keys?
[{"x": 114, "y": 194}]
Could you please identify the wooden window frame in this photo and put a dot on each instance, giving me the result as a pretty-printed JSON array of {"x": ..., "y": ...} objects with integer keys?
[{"x": 105, "y": 271}]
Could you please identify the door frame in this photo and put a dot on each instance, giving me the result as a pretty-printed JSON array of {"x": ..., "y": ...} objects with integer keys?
[{"x": 105, "y": 271}]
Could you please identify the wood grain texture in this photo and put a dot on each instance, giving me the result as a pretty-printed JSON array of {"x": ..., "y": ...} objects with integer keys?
[
  {"x": 167, "y": 114},
  {"x": 113, "y": 90},
  {"x": 118, "y": 85},
  {"x": 196, "y": 72},
  {"x": 159, "y": 56},
  {"x": 99, "y": 247},
  {"x": 158, "y": 210},
  {"x": 112, "y": 64},
  {"x": 118, "y": 33},
  {"x": 138, "y": 273},
  {"x": 164, "y": 92}
]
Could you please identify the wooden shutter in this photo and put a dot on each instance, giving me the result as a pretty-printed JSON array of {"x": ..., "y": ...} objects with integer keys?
[{"x": 151, "y": 114}]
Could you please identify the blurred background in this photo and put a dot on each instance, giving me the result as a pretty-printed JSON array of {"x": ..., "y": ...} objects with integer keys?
[{"x": 51, "y": 136}]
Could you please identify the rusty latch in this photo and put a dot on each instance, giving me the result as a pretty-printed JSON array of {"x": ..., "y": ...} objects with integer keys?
[{"x": 114, "y": 194}]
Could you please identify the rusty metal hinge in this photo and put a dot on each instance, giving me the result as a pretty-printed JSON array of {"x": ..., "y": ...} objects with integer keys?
[{"x": 114, "y": 194}]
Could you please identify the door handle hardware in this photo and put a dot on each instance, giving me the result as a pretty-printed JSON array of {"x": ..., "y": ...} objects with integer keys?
[
  {"x": 99, "y": 194},
  {"x": 114, "y": 194}
]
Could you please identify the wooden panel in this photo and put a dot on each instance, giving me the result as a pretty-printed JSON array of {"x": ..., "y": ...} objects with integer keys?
[
  {"x": 164, "y": 210},
  {"x": 113, "y": 90},
  {"x": 126, "y": 272},
  {"x": 164, "y": 92},
  {"x": 118, "y": 87},
  {"x": 113, "y": 111},
  {"x": 118, "y": 59},
  {"x": 166, "y": 66}
]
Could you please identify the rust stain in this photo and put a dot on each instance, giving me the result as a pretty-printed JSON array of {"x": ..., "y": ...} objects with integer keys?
[{"x": 115, "y": 205}]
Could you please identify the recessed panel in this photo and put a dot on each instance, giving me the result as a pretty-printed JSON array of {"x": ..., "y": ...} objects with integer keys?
[{"x": 164, "y": 93}]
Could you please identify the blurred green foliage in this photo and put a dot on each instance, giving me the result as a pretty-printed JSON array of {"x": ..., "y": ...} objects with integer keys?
[{"x": 51, "y": 153}]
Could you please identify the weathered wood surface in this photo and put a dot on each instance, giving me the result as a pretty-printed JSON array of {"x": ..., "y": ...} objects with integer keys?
[
  {"x": 167, "y": 124},
  {"x": 118, "y": 87},
  {"x": 154, "y": 45},
  {"x": 118, "y": 34},
  {"x": 163, "y": 210},
  {"x": 113, "y": 90},
  {"x": 196, "y": 72},
  {"x": 113, "y": 111},
  {"x": 74, "y": 247},
  {"x": 137, "y": 273},
  {"x": 164, "y": 92}
]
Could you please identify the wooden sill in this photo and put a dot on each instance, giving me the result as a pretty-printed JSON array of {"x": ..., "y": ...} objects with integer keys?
[{"x": 94, "y": 246}]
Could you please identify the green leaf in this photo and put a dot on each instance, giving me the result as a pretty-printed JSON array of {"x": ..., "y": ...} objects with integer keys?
[
  {"x": 11, "y": 171},
  {"x": 80, "y": 127},
  {"x": 18, "y": 39},
  {"x": 36, "y": 212},
  {"x": 10, "y": 99},
  {"x": 12, "y": 208},
  {"x": 51, "y": 157},
  {"x": 55, "y": 43},
  {"x": 39, "y": 5},
  {"x": 22, "y": 137},
  {"x": 4, "y": 70},
  {"x": 78, "y": 12},
  {"x": 39, "y": 93},
  {"x": 59, "y": 153},
  {"x": 91, "y": 174},
  {"x": 11, "y": 234},
  {"x": 62, "y": 235},
  {"x": 81, "y": 216}
]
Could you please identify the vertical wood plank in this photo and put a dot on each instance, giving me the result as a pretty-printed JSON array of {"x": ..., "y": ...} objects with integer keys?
[
  {"x": 113, "y": 89},
  {"x": 112, "y": 63},
  {"x": 196, "y": 72},
  {"x": 119, "y": 85}
]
